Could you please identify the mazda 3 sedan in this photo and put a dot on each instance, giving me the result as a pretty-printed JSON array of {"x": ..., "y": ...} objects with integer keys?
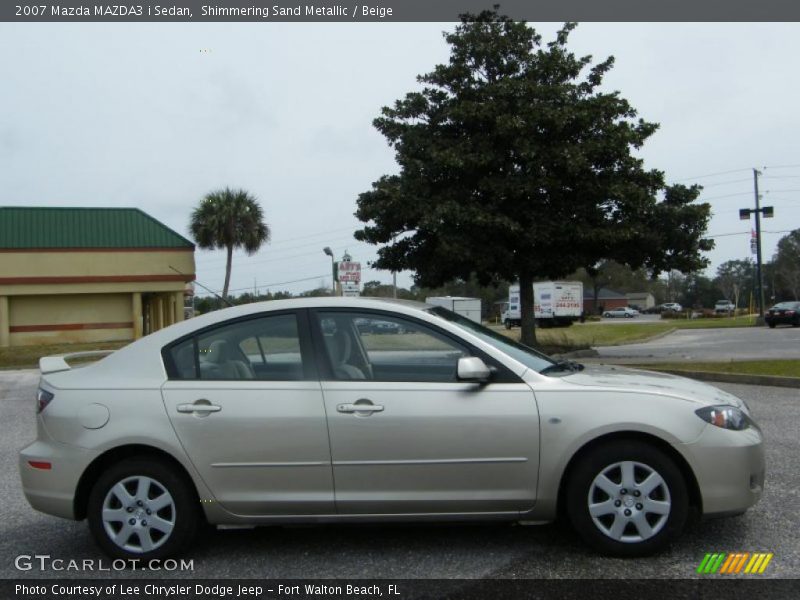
[{"x": 301, "y": 411}]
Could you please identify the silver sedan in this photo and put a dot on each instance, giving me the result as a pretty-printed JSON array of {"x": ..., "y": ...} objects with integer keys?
[{"x": 301, "y": 411}]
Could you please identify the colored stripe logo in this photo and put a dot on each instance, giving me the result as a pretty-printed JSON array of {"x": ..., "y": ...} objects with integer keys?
[{"x": 734, "y": 563}]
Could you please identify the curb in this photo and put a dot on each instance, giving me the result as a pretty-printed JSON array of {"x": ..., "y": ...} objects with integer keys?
[{"x": 771, "y": 380}]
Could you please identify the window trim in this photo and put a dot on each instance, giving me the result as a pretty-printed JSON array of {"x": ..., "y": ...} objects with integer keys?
[
  {"x": 502, "y": 373},
  {"x": 303, "y": 333}
]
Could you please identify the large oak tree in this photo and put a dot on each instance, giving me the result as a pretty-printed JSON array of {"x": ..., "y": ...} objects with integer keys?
[{"x": 514, "y": 165}]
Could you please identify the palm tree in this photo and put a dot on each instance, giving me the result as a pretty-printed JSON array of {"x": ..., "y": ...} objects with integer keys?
[{"x": 229, "y": 219}]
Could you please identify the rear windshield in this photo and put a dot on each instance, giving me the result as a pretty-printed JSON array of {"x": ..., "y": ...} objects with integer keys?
[{"x": 789, "y": 305}]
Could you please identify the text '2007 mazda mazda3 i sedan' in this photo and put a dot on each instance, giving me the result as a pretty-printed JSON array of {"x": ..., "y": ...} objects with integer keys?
[{"x": 304, "y": 411}]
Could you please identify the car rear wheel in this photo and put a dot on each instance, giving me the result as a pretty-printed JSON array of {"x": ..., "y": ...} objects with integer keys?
[
  {"x": 627, "y": 498},
  {"x": 141, "y": 508},
  {"x": 771, "y": 325}
]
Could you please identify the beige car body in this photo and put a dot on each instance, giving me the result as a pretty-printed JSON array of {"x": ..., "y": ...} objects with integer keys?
[{"x": 280, "y": 452}]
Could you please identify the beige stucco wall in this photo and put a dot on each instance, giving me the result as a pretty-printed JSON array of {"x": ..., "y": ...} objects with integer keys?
[
  {"x": 85, "y": 336},
  {"x": 86, "y": 298},
  {"x": 78, "y": 308},
  {"x": 104, "y": 263}
]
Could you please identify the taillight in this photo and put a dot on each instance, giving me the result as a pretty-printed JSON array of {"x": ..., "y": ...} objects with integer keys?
[
  {"x": 43, "y": 398},
  {"x": 789, "y": 312}
]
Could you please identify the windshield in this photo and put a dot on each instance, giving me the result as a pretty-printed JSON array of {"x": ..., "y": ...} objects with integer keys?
[{"x": 529, "y": 357}]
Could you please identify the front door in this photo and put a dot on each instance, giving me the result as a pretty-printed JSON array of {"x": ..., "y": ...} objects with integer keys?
[
  {"x": 407, "y": 436},
  {"x": 248, "y": 409}
]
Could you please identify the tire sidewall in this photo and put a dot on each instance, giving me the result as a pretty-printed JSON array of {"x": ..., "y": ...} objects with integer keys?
[
  {"x": 591, "y": 464},
  {"x": 187, "y": 510}
]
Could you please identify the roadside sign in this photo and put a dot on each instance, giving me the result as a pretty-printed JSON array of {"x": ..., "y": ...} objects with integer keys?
[{"x": 349, "y": 271}]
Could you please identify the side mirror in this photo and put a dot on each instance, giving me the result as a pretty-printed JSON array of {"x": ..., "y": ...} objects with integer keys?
[{"x": 472, "y": 368}]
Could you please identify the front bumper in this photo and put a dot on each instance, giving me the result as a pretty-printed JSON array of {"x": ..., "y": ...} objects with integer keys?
[
  {"x": 52, "y": 491},
  {"x": 729, "y": 467}
]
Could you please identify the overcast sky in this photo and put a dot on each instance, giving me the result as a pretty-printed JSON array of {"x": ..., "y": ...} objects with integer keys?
[{"x": 137, "y": 115}]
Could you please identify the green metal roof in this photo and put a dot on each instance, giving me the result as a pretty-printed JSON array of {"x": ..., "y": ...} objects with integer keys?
[{"x": 45, "y": 227}]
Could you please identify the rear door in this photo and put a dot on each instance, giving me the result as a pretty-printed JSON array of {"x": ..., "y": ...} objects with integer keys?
[
  {"x": 406, "y": 436},
  {"x": 246, "y": 403}
]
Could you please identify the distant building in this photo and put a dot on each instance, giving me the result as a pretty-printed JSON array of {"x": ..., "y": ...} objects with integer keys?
[
  {"x": 606, "y": 300},
  {"x": 88, "y": 275},
  {"x": 643, "y": 300}
]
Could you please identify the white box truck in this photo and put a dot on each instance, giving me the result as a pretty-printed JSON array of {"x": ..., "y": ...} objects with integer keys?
[
  {"x": 466, "y": 307},
  {"x": 555, "y": 303}
]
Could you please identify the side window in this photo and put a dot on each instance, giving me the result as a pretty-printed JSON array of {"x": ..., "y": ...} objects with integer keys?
[
  {"x": 266, "y": 349},
  {"x": 378, "y": 348}
]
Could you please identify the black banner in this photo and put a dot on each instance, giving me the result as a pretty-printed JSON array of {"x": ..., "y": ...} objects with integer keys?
[
  {"x": 711, "y": 588},
  {"x": 396, "y": 10}
]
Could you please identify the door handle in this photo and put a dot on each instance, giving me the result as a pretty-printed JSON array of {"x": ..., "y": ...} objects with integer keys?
[
  {"x": 352, "y": 408},
  {"x": 198, "y": 407}
]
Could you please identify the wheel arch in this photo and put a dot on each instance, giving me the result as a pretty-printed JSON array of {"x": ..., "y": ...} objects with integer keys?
[
  {"x": 692, "y": 487},
  {"x": 114, "y": 455}
]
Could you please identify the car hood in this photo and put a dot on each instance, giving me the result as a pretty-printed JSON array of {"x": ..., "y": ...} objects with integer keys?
[{"x": 617, "y": 377}]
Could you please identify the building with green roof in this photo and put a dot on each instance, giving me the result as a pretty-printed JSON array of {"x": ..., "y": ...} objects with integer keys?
[{"x": 88, "y": 274}]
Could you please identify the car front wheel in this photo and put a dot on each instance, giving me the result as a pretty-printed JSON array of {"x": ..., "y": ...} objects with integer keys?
[
  {"x": 141, "y": 508},
  {"x": 627, "y": 498}
]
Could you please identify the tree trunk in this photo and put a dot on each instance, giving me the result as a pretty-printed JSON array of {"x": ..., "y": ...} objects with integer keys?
[
  {"x": 227, "y": 272},
  {"x": 528, "y": 322},
  {"x": 596, "y": 291}
]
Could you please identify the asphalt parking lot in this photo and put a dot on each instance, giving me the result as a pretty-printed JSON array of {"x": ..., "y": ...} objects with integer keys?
[
  {"x": 420, "y": 551},
  {"x": 735, "y": 343}
]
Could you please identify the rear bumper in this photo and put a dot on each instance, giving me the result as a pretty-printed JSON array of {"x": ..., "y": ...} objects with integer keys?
[
  {"x": 52, "y": 491},
  {"x": 730, "y": 469}
]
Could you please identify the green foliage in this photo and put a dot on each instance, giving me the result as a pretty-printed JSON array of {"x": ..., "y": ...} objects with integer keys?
[
  {"x": 735, "y": 280},
  {"x": 787, "y": 266},
  {"x": 204, "y": 304},
  {"x": 229, "y": 219},
  {"x": 514, "y": 166}
]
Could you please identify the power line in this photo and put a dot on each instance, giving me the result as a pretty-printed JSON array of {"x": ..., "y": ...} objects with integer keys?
[
  {"x": 222, "y": 258},
  {"x": 284, "y": 258},
  {"x": 727, "y": 182},
  {"x": 703, "y": 199},
  {"x": 713, "y": 174},
  {"x": 783, "y": 167}
]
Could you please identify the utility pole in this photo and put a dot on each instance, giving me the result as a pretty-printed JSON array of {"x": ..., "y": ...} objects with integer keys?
[
  {"x": 744, "y": 214},
  {"x": 759, "y": 276}
]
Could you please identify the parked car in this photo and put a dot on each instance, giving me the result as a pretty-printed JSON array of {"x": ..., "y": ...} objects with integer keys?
[
  {"x": 783, "y": 313},
  {"x": 286, "y": 412},
  {"x": 671, "y": 306},
  {"x": 624, "y": 311},
  {"x": 724, "y": 307}
]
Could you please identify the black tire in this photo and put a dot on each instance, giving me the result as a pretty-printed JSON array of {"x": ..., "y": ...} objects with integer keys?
[
  {"x": 771, "y": 325},
  {"x": 507, "y": 323},
  {"x": 598, "y": 461},
  {"x": 606, "y": 315},
  {"x": 184, "y": 511}
]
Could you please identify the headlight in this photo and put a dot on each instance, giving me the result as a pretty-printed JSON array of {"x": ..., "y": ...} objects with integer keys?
[{"x": 727, "y": 417}]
